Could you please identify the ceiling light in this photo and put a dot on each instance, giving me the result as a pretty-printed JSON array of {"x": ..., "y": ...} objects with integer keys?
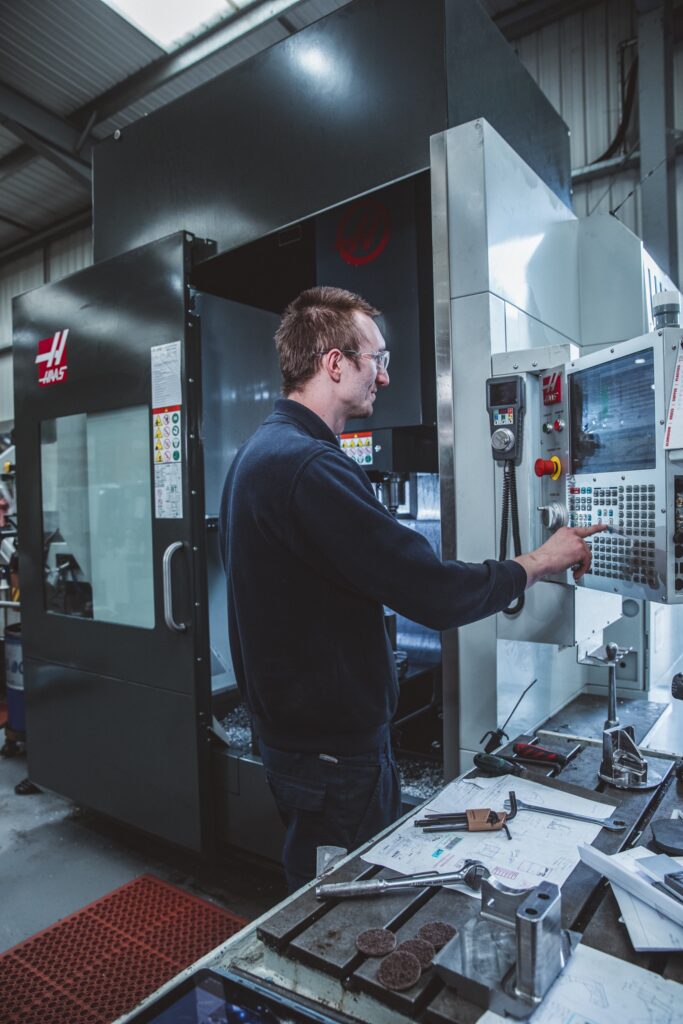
[{"x": 170, "y": 22}]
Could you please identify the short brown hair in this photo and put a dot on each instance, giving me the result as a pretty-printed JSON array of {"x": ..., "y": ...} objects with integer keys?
[{"x": 316, "y": 321}]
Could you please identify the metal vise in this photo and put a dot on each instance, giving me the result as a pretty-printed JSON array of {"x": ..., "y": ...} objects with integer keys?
[{"x": 507, "y": 957}]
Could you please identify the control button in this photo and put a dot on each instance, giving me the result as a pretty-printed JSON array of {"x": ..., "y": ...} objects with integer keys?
[
  {"x": 547, "y": 428},
  {"x": 551, "y": 467},
  {"x": 558, "y": 425}
]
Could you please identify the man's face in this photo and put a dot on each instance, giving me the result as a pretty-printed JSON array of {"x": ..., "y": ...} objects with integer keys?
[{"x": 361, "y": 382}]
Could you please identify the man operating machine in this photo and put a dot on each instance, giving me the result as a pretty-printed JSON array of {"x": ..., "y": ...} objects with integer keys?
[{"x": 313, "y": 556}]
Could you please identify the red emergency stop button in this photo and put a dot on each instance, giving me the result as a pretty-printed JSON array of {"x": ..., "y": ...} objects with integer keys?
[{"x": 551, "y": 467}]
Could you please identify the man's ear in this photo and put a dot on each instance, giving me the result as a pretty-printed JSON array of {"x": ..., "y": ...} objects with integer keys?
[{"x": 332, "y": 362}]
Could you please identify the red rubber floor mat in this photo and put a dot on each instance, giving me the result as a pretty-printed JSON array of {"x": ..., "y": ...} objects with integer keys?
[{"x": 98, "y": 963}]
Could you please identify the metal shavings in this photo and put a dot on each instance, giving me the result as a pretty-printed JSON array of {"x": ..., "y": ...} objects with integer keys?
[{"x": 238, "y": 728}]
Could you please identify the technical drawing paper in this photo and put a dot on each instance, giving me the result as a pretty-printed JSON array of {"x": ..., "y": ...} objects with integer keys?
[
  {"x": 596, "y": 988},
  {"x": 542, "y": 848}
]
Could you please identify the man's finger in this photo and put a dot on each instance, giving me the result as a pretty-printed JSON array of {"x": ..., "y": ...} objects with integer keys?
[
  {"x": 582, "y": 567},
  {"x": 587, "y": 531}
]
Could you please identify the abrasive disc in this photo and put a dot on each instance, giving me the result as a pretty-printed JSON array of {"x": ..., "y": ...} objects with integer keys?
[
  {"x": 399, "y": 971},
  {"x": 376, "y": 942},
  {"x": 436, "y": 932}
]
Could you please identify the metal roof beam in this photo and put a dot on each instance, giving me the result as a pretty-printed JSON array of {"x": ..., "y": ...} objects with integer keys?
[
  {"x": 74, "y": 222},
  {"x": 77, "y": 169},
  {"x": 531, "y": 15},
  {"x": 17, "y": 109},
  {"x": 46, "y": 134},
  {"x": 19, "y": 225},
  {"x": 15, "y": 161}
]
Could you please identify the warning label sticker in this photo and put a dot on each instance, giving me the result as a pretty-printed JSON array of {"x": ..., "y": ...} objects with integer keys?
[
  {"x": 166, "y": 382},
  {"x": 167, "y": 435},
  {"x": 168, "y": 491},
  {"x": 167, "y": 457},
  {"x": 358, "y": 447},
  {"x": 673, "y": 433}
]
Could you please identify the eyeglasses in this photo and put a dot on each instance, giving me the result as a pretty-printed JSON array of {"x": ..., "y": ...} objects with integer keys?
[{"x": 381, "y": 357}]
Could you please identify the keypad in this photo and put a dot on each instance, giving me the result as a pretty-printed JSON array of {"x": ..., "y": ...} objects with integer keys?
[{"x": 629, "y": 552}]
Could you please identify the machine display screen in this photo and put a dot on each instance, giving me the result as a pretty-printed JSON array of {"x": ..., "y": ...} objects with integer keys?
[
  {"x": 210, "y": 998},
  {"x": 613, "y": 415},
  {"x": 503, "y": 392}
]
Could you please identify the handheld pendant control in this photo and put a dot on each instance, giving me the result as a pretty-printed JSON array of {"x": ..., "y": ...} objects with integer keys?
[{"x": 505, "y": 404}]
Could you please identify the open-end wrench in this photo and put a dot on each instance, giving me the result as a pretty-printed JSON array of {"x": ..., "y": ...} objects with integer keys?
[{"x": 613, "y": 824}]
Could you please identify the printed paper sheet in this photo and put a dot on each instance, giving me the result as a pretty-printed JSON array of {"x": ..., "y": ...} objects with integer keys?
[
  {"x": 542, "y": 848},
  {"x": 596, "y": 988}
]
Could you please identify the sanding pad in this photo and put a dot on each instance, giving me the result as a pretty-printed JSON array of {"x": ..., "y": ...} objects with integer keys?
[{"x": 668, "y": 835}]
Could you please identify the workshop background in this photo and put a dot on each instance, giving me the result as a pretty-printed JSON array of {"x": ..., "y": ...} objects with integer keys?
[
  {"x": 72, "y": 73},
  {"x": 75, "y": 72}
]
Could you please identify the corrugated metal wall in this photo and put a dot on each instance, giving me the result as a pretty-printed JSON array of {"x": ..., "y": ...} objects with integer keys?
[
  {"x": 50, "y": 264},
  {"x": 576, "y": 63}
]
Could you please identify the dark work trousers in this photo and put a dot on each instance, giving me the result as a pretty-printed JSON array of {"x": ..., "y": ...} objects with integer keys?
[{"x": 329, "y": 799}]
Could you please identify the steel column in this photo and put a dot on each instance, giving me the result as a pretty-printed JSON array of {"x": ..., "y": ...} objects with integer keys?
[{"x": 657, "y": 141}]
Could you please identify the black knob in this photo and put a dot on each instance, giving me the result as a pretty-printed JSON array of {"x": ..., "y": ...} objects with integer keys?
[{"x": 677, "y": 686}]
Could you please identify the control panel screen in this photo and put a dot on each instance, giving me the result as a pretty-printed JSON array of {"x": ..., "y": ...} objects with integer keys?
[
  {"x": 613, "y": 415},
  {"x": 503, "y": 392}
]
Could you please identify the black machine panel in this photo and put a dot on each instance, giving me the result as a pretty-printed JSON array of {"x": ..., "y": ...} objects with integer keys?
[
  {"x": 343, "y": 107},
  {"x": 106, "y": 424},
  {"x": 380, "y": 247}
]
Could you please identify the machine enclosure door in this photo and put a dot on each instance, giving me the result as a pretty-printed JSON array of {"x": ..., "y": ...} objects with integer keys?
[{"x": 111, "y": 552}]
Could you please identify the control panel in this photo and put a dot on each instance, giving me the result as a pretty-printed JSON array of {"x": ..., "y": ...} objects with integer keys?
[
  {"x": 550, "y": 465},
  {"x": 611, "y": 452}
]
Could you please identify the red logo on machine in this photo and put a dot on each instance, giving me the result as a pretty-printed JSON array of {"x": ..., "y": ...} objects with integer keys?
[
  {"x": 364, "y": 232},
  {"x": 552, "y": 389},
  {"x": 51, "y": 359}
]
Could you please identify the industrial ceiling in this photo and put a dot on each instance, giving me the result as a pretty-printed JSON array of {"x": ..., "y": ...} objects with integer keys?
[{"x": 73, "y": 71}]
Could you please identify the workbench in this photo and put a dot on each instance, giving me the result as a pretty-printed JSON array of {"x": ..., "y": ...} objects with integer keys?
[{"x": 307, "y": 948}]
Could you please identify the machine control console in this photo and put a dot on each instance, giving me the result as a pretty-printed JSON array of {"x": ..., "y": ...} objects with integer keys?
[{"x": 618, "y": 462}]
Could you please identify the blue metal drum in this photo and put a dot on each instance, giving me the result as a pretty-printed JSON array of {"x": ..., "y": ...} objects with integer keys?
[{"x": 14, "y": 670}]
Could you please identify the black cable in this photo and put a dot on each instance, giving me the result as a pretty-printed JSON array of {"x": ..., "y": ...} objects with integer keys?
[
  {"x": 628, "y": 100},
  {"x": 510, "y": 510},
  {"x": 504, "y": 513},
  {"x": 495, "y": 738}
]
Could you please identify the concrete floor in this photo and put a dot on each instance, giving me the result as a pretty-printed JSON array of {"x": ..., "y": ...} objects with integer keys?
[{"x": 55, "y": 858}]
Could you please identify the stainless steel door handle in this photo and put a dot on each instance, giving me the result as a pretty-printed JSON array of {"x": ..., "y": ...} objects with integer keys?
[{"x": 176, "y": 627}]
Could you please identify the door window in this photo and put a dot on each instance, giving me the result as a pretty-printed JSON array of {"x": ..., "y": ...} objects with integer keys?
[{"x": 97, "y": 516}]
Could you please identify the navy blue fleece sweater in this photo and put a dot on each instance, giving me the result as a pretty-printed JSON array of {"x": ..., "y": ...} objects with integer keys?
[{"x": 311, "y": 557}]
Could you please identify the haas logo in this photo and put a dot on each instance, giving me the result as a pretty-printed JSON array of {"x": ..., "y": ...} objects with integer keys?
[{"x": 51, "y": 359}]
